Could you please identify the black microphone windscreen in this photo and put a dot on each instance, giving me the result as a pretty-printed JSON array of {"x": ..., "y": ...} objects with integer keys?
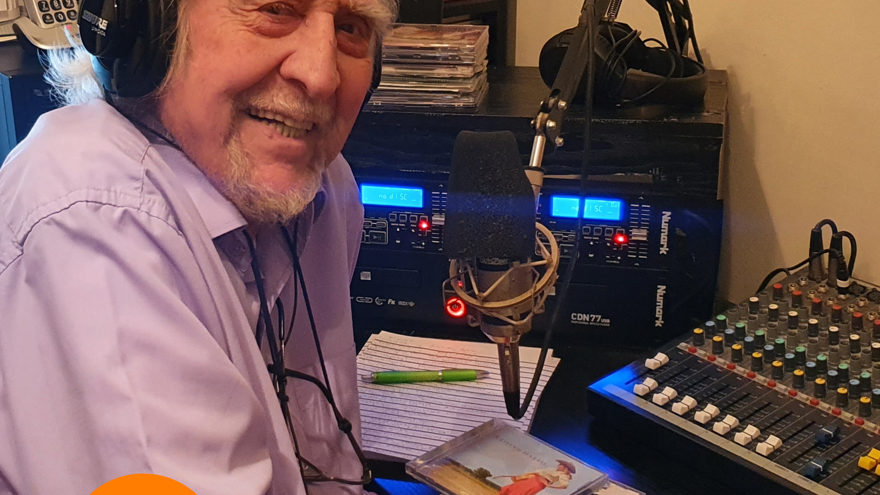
[{"x": 490, "y": 208}]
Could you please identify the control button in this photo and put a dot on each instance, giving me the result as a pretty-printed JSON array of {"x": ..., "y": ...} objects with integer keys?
[
  {"x": 43, "y": 5},
  {"x": 609, "y": 232},
  {"x": 730, "y": 421},
  {"x": 366, "y": 276},
  {"x": 651, "y": 383},
  {"x": 597, "y": 231},
  {"x": 663, "y": 358},
  {"x": 71, "y": 14},
  {"x": 764, "y": 449},
  {"x": 381, "y": 224},
  {"x": 413, "y": 218},
  {"x": 69, "y": 4},
  {"x": 702, "y": 417},
  {"x": 657, "y": 361},
  {"x": 56, "y": 4},
  {"x": 774, "y": 442},
  {"x": 815, "y": 468},
  {"x": 870, "y": 460},
  {"x": 48, "y": 19},
  {"x": 378, "y": 237},
  {"x": 712, "y": 410},
  {"x": 680, "y": 409},
  {"x": 392, "y": 217},
  {"x": 747, "y": 435},
  {"x": 641, "y": 389},
  {"x": 60, "y": 17},
  {"x": 721, "y": 428},
  {"x": 827, "y": 435},
  {"x": 660, "y": 399}
]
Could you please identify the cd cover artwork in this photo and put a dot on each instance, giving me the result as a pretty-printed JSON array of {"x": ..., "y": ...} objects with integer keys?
[{"x": 498, "y": 459}]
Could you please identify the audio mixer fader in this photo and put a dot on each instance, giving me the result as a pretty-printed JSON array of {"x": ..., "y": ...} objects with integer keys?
[{"x": 786, "y": 384}]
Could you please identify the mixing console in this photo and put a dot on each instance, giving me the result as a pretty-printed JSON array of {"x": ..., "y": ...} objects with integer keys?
[{"x": 786, "y": 384}]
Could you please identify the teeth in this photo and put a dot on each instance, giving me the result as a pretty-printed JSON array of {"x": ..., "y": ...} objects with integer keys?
[{"x": 285, "y": 126}]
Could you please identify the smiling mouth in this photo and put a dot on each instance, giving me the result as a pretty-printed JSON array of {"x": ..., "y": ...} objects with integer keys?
[{"x": 285, "y": 126}]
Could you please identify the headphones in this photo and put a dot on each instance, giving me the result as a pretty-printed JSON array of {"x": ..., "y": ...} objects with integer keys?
[
  {"x": 132, "y": 42},
  {"x": 628, "y": 71}
]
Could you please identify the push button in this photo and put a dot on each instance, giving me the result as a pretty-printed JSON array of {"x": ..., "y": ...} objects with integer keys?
[
  {"x": 69, "y": 4},
  {"x": 43, "y": 5},
  {"x": 48, "y": 19},
  {"x": 56, "y": 4},
  {"x": 71, "y": 14}
]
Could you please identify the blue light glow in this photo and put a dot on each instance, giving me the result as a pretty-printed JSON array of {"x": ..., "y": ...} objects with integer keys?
[
  {"x": 594, "y": 208},
  {"x": 379, "y": 195}
]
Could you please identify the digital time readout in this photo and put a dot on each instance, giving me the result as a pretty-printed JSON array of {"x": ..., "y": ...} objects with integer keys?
[
  {"x": 594, "y": 208},
  {"x": 379, "y": 195}
]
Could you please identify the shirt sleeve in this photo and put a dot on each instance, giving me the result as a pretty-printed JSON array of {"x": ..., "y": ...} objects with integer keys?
[{"x": 107, "y": 370}]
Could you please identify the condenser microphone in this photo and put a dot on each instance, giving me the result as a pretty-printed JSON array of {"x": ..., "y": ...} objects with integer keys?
[{"x": 489, "y": 236}]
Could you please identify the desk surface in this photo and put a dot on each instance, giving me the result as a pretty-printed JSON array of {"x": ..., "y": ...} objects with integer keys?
[{"x": 562, "y": 420}]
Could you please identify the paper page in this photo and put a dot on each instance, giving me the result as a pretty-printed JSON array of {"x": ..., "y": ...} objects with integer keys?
[{"x": 404, "y": 421}]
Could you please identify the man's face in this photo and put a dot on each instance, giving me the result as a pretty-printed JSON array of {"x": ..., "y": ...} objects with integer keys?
[{"x": 268, "y": 93}]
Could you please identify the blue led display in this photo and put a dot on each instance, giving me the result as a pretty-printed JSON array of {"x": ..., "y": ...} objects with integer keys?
[
  {"x": 594, "y": 208},
  {"x": 378, "y": 195}
]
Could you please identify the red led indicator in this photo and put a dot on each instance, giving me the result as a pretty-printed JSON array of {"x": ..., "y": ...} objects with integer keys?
[
  {"x": 424, "y": 225},
  {"x": 455, "y": 307},
  {"x": 621, "y": 238}
]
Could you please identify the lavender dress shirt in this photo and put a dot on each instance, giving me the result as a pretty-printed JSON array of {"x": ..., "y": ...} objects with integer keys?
[{"x": 127, "y": 316}]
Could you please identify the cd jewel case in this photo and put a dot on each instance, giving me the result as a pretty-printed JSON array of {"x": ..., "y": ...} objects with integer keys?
[{"x": 496, "y": 458}]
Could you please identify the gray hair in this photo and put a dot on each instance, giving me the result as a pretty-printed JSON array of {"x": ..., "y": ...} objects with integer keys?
[{"x": 72, "y": 78}]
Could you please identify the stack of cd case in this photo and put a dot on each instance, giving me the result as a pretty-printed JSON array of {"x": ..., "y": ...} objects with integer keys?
[
  {"x": 497, "y": 458},
  {"x": 433, "y": 67}
]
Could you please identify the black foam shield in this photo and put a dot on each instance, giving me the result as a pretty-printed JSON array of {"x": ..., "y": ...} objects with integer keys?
[{"x": 490, "y": 210}]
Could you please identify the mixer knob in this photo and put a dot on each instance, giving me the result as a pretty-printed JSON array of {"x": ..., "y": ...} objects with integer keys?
[
  {"x": 812, "y": 327},
  {"x": 875, "y": 332},
  {"x": 855, "y": 344},
  {"x": 797, "y": 299},
  {"x": 843, "y": 372},
  {"x": 842, "y": 398},
  {"x": 699, "y": 337},
  {"x": 779, "y": 345},
  {"x": 833, "y": 335},
  {"x": 816, "y": 307},
  {"x": 761, "y": 338},
  {"x": 754, "y": 305},
  {"x": 800, "y": 354},
  {"x": 875, "y": 398},
  {"x": 793, "y": 320},
  {"x": 729, "y": 337},
  {"x": 836, "y": 313},
  {"x": 777, "y": 292},
  {"x": 810, "y": 370},
  {"x": 819, "y": 388},
  {"x": 773, "y": 312},
  {"x": 822, "y": 363},
  {"x": 777, "y": 372},
  {"x": 864, "y": 407},
  {"x": 717, "y": 345},
  {"x": 736, "y": 353},
  {"x": 797, "y": 379},
  {"x": 749, "y": 344},
  {"x": 789, "y": 361},
  {"x": 720, "y": 322},
  {"x": 739, "y": 331},
  {"x": 875, "y": 351},
  {"x": 857, "y": 324},
  {"x": 833, "y": 379},
  {"x": 865, "y": 379},
  {"x": 711, "y": 329},
  {"x": 757, "y": 361},
  {"x": 855, "y": 388}
]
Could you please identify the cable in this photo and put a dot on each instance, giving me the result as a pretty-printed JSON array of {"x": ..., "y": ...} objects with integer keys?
[
  {"x": 852, "y": 249},
  {"x": 790, "y": 269}
]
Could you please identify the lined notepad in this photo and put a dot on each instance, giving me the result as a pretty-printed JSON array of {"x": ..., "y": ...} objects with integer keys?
[{"x": 402, "y": 422}]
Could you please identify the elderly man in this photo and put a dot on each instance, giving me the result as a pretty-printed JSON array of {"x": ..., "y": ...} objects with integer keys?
[{"x": 174, "y": 268}]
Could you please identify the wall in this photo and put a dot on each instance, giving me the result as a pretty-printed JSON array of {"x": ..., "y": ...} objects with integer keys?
[{"x": 804, "y": 120}]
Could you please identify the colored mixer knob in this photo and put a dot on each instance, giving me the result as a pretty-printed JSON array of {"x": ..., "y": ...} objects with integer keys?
[
  {"x": 793, "y": 320},
  {"x": 797, "y": 299},
  {"x": 855, "y": 343},
  {"x": 717, "y": 345},
  {"x": 858, "y": 322},
  {"x": 736, "y": 353},
  {"x": 876, "y": 329},
  {"x": 779, "y": 346},
  {"x": 842, "y": 397},
  {"x": 773, "y": 312},
  {"x": 822, "y": 363},
  {"x": 833, "y": 335},
  {"x": 836, "y": 313},
  {"x": 777, "y": 292},
  {"x": 721, "y": 322},
  {"x": 699, "y": 337},
  {"x": 729, "y": 337},
  {"x": 800, "y": 354},
  {"x": 816, "y": 307},
  {"x": 812, "y": 327},
  {"x": 833, "y": 378},
  {"x": 797, "y": 379},
  {"x": 754, "y": 305},
  {"x": 739, "y": 331},
  {"x": 710, "y": 329},
  {"x": 761, "y": 338},
  {"x": 875, "y": 398},
  {"x": 864, "y": 407},
  {"x": 789, "y": 362},
  {"x": 749, "y": 344},
  {"x": 757, "y": 361},
  {"x": 819, "y": 388},
  {"x": 777, "y": 372},
  {"x": 875, "y": 351},
  {"x": 843, "y": 372},
  {"x": 769, "y": 354},
  {"x": 865, "y": 378},
  {"x": 810, "y": 370},
  {"x": 855, "y": 388}
]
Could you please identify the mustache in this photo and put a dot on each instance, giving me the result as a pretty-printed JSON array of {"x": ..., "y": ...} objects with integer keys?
[{"x": 295, "y": 106}]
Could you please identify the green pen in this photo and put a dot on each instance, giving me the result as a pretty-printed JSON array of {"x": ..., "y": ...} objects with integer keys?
[{"x": 389, "y": 377}]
